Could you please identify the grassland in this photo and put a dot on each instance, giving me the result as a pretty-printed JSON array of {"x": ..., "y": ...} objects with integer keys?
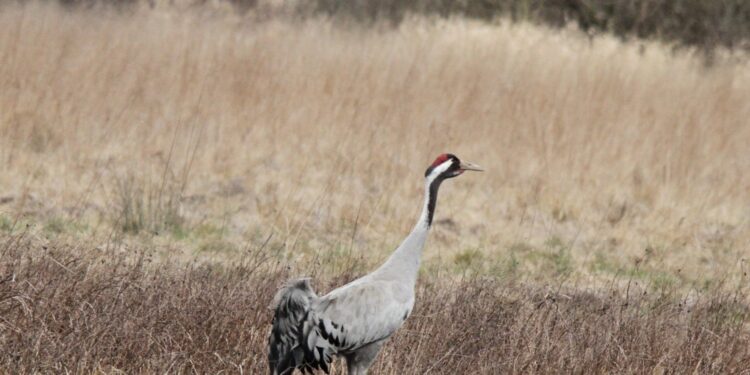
[
  {"x": 73, "y": 309},
  {"x": 198, "y": 139}
]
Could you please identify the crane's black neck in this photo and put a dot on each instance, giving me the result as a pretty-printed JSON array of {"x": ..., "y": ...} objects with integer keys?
[{"x": 432, "y": 194}]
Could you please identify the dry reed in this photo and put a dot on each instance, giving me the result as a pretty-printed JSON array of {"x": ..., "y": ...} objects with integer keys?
[{"x": 187, "y": 137}]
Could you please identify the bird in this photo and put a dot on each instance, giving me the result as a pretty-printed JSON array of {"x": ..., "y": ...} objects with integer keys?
[{"x": 355, "y": 320}]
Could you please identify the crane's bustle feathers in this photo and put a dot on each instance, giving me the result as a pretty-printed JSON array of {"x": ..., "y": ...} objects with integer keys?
[{"x": 306, "y": 335}]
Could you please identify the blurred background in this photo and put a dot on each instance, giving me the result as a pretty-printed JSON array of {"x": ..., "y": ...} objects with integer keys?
[{"x": 613, "y": 132}]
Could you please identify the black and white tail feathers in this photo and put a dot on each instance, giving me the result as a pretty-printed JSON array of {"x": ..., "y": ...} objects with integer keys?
[
  {"x": 298, "y": 339},
  {"x": 292, "y": 305}
]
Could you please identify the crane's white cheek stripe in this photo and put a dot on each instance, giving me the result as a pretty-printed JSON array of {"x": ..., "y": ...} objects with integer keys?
[{"x": 437, "y": 171}]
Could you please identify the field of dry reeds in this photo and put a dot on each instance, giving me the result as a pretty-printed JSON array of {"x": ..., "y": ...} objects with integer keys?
[
  {"x": 162, "y": 171},
  {"x": 73, "y": 309}
]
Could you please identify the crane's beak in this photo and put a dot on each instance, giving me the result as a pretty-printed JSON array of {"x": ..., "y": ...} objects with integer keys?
[{"x": 466, "y": 166}]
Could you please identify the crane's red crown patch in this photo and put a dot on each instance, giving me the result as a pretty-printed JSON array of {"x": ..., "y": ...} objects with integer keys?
[{"x": 440, "y": 160}]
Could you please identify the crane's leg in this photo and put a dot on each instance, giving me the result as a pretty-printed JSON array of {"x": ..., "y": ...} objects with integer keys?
[{"x": 358, "y": 362}]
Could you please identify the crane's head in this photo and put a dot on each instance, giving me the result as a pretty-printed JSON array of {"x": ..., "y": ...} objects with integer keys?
[{"x": 448, "y": 166}]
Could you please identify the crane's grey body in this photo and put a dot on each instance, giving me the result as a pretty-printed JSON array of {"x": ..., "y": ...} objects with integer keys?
[{"x": 356, "y": 319}]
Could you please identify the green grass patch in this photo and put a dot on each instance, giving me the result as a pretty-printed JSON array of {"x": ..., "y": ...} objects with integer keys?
[
  {"x": 6, "y": 224},
  {"x": 469, "y": 261},
  {"x": 57, "y": 225},
  {"x": 657, "y": 279},
  {"x": 217, "y": 246}
]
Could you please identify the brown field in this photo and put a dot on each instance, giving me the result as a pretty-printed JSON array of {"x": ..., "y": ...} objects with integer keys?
[
  {"x": 73, "y": 309},
  {"x": 609, "y": 232}
]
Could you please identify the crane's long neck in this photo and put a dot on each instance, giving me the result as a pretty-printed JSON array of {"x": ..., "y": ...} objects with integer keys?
[{"x": 404, "y": 263}]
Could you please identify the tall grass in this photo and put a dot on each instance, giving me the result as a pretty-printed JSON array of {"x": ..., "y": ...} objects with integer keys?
[
  {"x": 622, "y": 152},
  {"x": 99, "y": 311},
  {"x": 183, "y": 163},
  {"x": 707, "y": 25}
]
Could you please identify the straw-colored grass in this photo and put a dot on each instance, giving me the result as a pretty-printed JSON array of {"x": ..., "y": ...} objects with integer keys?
[
  {"x": 211, "y": 130},
  {"x": 84, "y": 310},
  {"x": 163, "y": 171}
]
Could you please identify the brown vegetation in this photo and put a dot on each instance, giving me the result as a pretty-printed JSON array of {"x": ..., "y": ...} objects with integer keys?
[
  {"x": 162, "y": 171},
  {"x": 91, "y": 310},
  {"x": 195, "y": 133},
  {"x": 696, "y": 23},
  {"x": 705, "y": 24}
]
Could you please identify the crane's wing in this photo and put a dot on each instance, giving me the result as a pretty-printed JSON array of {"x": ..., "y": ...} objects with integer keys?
[{"x": 358, "y": 314}]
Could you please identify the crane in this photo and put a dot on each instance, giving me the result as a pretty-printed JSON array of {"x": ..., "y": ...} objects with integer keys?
[{"x": 355, "y": 320}]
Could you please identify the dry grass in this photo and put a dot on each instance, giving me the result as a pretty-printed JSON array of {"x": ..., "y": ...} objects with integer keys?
[
  {"x": 598, "y": 153},
  {"x": 196, "y": 135},
  {"x": 92, "y": 310}
]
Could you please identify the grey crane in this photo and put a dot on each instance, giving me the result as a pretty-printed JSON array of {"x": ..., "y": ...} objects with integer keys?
[{"x": 355, "y": 320}]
